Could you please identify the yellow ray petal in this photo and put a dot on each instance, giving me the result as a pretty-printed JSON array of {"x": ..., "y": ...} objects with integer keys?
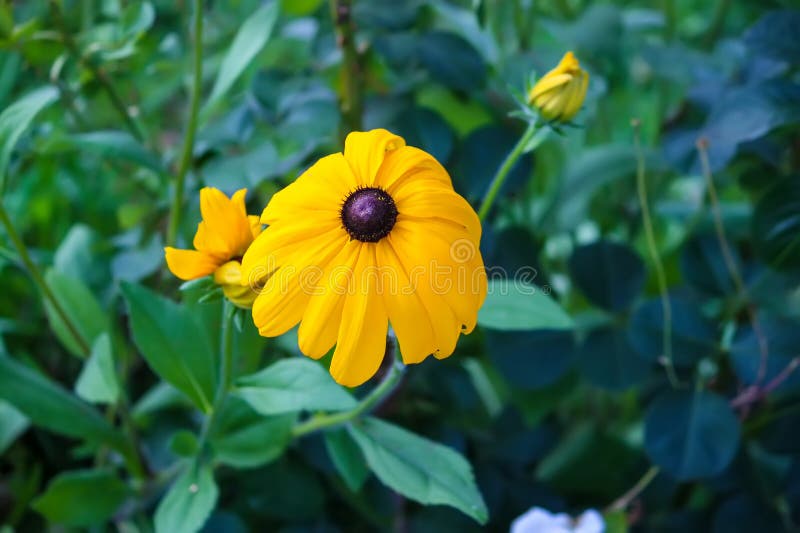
[
  {"x": 320, "y": 325},
  {"x": 409, "y": 318},
  {"x": 225, "y": 219},
  {"x": 255, "y": 225},
  {"x": 366, "y": 150},
  {"x": 412, "y": 163},
  {"x": 190, "y": 264},
  {"x": 547, "y": 83},
  {"x": 440, "y": 204},
  {"x": 361, "y": 341}
]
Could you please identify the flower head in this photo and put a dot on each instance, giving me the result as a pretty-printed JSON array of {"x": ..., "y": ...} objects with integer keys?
[
  {"x": 559, "y": 94},
  {"x": 220, "y": 242},
  {"x": 538, "y": 520},
  {"x": 364, "y": 238}
]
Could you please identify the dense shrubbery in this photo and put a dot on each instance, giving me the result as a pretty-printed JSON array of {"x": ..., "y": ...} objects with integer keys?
[{"x": 636, "y": 352}]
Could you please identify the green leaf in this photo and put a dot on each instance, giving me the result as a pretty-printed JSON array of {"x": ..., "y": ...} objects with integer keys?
[
  {"x": 12, "y": 425},
  {"x": 250, "y": 39},
  {"x": 109, "y": 144},
  {"x": 98, "y": 380},
  {"x": 189, "y": 502},
  {"x": 292, "y": 385},
  {"x": 451, "y": 60},
  {"x": 691, "y": 434},
  {"x": 81, "y": 306},
  {"x": 514, "y": 305},
  {"x": 16, "y": 118},
  {"x": 50, "y": 406},
  {"x": 183, "y": 443},
  {"x": 610, "y": 274},
  {"x": 254, "y": 444},
  {"x": 418, "y": 468},
  {"x": 173, "y": 343},
  {"x": 347, "y": 458},
  {"x": 82, "y": 498}
]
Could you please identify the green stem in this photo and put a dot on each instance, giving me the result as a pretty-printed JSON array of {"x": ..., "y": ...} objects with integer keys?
[
  {"x": 661, "y": 277},
  {"x": 503, "y": 171},
  {"x": 37, "y": 277},
  {"x": 370, "y": 402},
  {"x": 623, "y": 501},
  {"x": 97, "y": 72},
  {"x": 191, "y": 126},
  {"x": 351, "y": 100},
  {"x": 225, "y": 373}
]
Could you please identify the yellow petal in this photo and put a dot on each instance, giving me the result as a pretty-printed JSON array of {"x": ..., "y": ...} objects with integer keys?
[
  {"x": 319, "y": 192},
  {"x": 361, "y": 342},
  {"x": 229, "y": 274},
  {"x": 575, "y": 102},
  {"x": 409, "y": 317},
  {"x": 439, "y": 204},
  {"x": 320, "y": 325},
  {"x": 283, "y": 298},
  {"x": 409, "y": 163},
  {"x": 189, "y": 264},
  {"x": 255, "y": 225},
  {"x": 547, "y": 83},
  {"x": 366, "y": 150},
  {"x": 226, "y": 220}
]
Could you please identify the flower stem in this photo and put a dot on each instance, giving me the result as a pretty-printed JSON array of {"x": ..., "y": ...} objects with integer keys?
[
  {"x": 37, "y": 277},
  {"x": 623, "y": 501},
  {"x": 661, "y": 277},
  {"x": 351, "y": 100},
  {"x": 191, "y": 126},
  {"x": 503, "y": 171},
  {"x": 370, "y": 402}
]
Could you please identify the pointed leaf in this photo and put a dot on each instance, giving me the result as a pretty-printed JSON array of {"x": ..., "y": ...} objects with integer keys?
[
  {"x": 82, "y": 498},
  {"x": 98, "y": 380},
  {"x": 189, "y": 502}
]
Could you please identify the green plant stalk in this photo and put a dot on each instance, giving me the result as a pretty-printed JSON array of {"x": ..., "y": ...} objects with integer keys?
[
  {"x": 661, "y": 277},
  {"x": 225, "y": 374},
  {"x": 370, "y": 402},
  {"x": 37, "y": 277},
  {"x": 502, "y": 173},
  {"x": 623, "y": 501},
  {"x": 191, "y": 126},
  {"x": 351, "y": 100}
]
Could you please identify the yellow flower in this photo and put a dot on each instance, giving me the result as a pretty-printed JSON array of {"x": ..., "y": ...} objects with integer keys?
[
  {"x": 559, "y": 94},
  {"x": 220, "y": 242},
  {"x": 374, "y": 236}
]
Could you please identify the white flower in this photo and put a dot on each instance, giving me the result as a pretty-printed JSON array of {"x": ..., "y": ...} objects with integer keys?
[{"x": 538, "y": 520}]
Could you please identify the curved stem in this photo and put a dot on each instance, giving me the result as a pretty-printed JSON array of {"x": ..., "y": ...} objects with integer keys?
[
  {"x": 191, "y": 126},
  {"x": 37, "y": 277},
  {"x": 370, "y": 402},
  {"x": 661, "y": 277},
  {"x": 503, "y": 171}
]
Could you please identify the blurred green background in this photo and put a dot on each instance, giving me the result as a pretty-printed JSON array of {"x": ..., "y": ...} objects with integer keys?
[{"x": 96, "y": 99}]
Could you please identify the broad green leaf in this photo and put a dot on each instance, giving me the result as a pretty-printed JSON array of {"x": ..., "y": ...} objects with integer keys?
[
  {"x": 109, "y": 144},
  {"x": 189, "y": 502},
  {"x": 515, "y": 305},
  {"x": 184, "y": 443},
  {"x": 98, "y": 380},
  {"x": 418, "y": 468},
  {"x": 255, "y": 444},
  {"x": 16, "y": 118},
  {"x": 82, "y": 498},
  {"x": 451, "y": 60},
  {"x": 610, "y": 274},
  {"x": 50, "y": 406},
  {"x": 691, "y": 434},
  {"x": 81, "y": 306},
  {"x": 347, "y": 458},
  {"x": 250, "y": 39},
  {"x": 292, "y": 385},
  {"x": 136, "y": 19},
  {"x": 173, "y": 343},
  {"x": 531, "y": 359},
  {"x": 12, "y": 424}
]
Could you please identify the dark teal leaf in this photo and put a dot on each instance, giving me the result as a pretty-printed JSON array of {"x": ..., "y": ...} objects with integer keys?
[
  {"x": 691, "y": 434},
  {"x": 347, "y": 458},
  {"x": 610, "y": 274},
  {"x": 418, "y": 468},
  {"x": 531, "y": 359},
  {"x": 775, "y": 34},
  {"x": 782, "y": 337},
  {"x": 426, "y": 129},
  {"x": 744, "y": 513},
  {"x": 481, "y": 154},
  {"x": 693, "y": 336},
  {"x": 82, "y": 498},
  {"x": 452, "y": 61},
  {"x": 703, "y": 266},
  {"x": 173, "y": 343},
  {"x": 777, "y": 224},
  {"x": 608, "y": 360},
  {"x": 189, "y": 502},
  {"x": 292, "y": 385}
]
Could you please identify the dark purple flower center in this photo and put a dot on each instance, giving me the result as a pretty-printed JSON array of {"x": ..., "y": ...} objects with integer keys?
[{"x": 369, "y": 214}]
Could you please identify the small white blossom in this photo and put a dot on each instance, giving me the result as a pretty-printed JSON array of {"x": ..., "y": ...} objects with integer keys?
[{"x": 538, "y": 520}]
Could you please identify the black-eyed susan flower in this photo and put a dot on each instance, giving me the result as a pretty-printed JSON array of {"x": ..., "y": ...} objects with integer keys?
[
  {"x": 559, "y": 94},
  {"x": 363, "y": 239},
  {"x": 222, "y": 238}
]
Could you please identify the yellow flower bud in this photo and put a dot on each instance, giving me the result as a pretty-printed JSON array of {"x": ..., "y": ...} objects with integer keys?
[
  {"x": 229, "y": 277},
  {"x": 559, "y": 94}
]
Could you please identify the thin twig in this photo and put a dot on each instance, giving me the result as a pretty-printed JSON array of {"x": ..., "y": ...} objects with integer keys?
[
  {"x": 730, "y": 262},
  {"x": 755, "y": 393},
  {"x": 661, "y": 277},
  {"x": 621, "y": 503},
  {"x": 191, "y": 126}
]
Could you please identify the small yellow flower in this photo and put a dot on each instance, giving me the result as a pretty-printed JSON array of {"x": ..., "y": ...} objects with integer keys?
[
  {"x": 364, "y": 238},
  {"x": 559, "y": 94},
  {"x": 221, "y": 240}
]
